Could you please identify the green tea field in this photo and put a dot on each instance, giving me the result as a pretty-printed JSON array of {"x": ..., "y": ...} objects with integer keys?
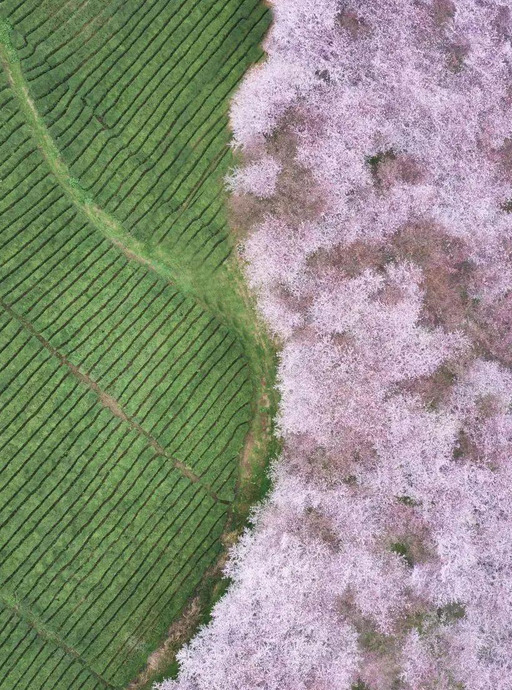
[{"x": 129, "y": 374}]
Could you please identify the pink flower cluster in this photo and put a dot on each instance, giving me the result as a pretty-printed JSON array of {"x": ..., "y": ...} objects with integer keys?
[{"x": 378, "y": 186}]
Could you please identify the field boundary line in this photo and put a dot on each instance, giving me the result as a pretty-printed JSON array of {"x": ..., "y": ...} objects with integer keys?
[
  {"x": 110, "y": 403},
  {"x": 53, "y": 638}
]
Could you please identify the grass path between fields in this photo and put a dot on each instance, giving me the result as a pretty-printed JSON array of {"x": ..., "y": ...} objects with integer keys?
[{"x": 225, "y": 295}]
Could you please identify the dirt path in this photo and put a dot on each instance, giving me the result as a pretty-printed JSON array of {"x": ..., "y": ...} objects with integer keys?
[{"x": 254, "y": 452}]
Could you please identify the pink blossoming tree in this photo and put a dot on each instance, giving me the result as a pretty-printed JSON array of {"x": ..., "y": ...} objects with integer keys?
[{"x": 377, "y": 140}]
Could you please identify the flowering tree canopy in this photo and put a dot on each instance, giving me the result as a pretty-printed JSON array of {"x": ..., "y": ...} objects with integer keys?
[{"x": 377, "y": 187}]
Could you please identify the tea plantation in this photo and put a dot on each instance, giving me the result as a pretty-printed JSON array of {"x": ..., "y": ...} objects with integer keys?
[{"x": 126, "y": 386}]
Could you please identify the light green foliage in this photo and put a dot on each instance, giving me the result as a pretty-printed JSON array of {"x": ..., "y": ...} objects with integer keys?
[{"x": 128, "y": 370}]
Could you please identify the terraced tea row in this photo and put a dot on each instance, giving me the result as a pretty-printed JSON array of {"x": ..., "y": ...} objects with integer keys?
[
  {"x": 23, "y": 642},
  {"x": 100, "y": 535},
  {"x": 136, "y": 96},
  {"x": 152, "y": 350},
  {"x": 94, "y": 525},
  {"x": 124, "y": 402}
]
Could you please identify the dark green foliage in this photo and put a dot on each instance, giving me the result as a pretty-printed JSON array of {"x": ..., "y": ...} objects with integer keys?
[{"x": 402, "y": 549}]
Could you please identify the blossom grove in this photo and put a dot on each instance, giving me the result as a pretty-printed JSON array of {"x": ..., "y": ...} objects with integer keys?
[{"x": 377, "y": 186}]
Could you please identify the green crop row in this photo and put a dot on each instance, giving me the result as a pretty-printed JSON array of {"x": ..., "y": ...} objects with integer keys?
[{"x": 102, "y": 539}]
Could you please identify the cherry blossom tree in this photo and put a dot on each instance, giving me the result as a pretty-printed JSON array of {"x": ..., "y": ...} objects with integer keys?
[{"x": 377, "y": 158}]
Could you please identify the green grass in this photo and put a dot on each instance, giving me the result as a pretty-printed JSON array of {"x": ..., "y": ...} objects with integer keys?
[{"x": 131, "y": 363}]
